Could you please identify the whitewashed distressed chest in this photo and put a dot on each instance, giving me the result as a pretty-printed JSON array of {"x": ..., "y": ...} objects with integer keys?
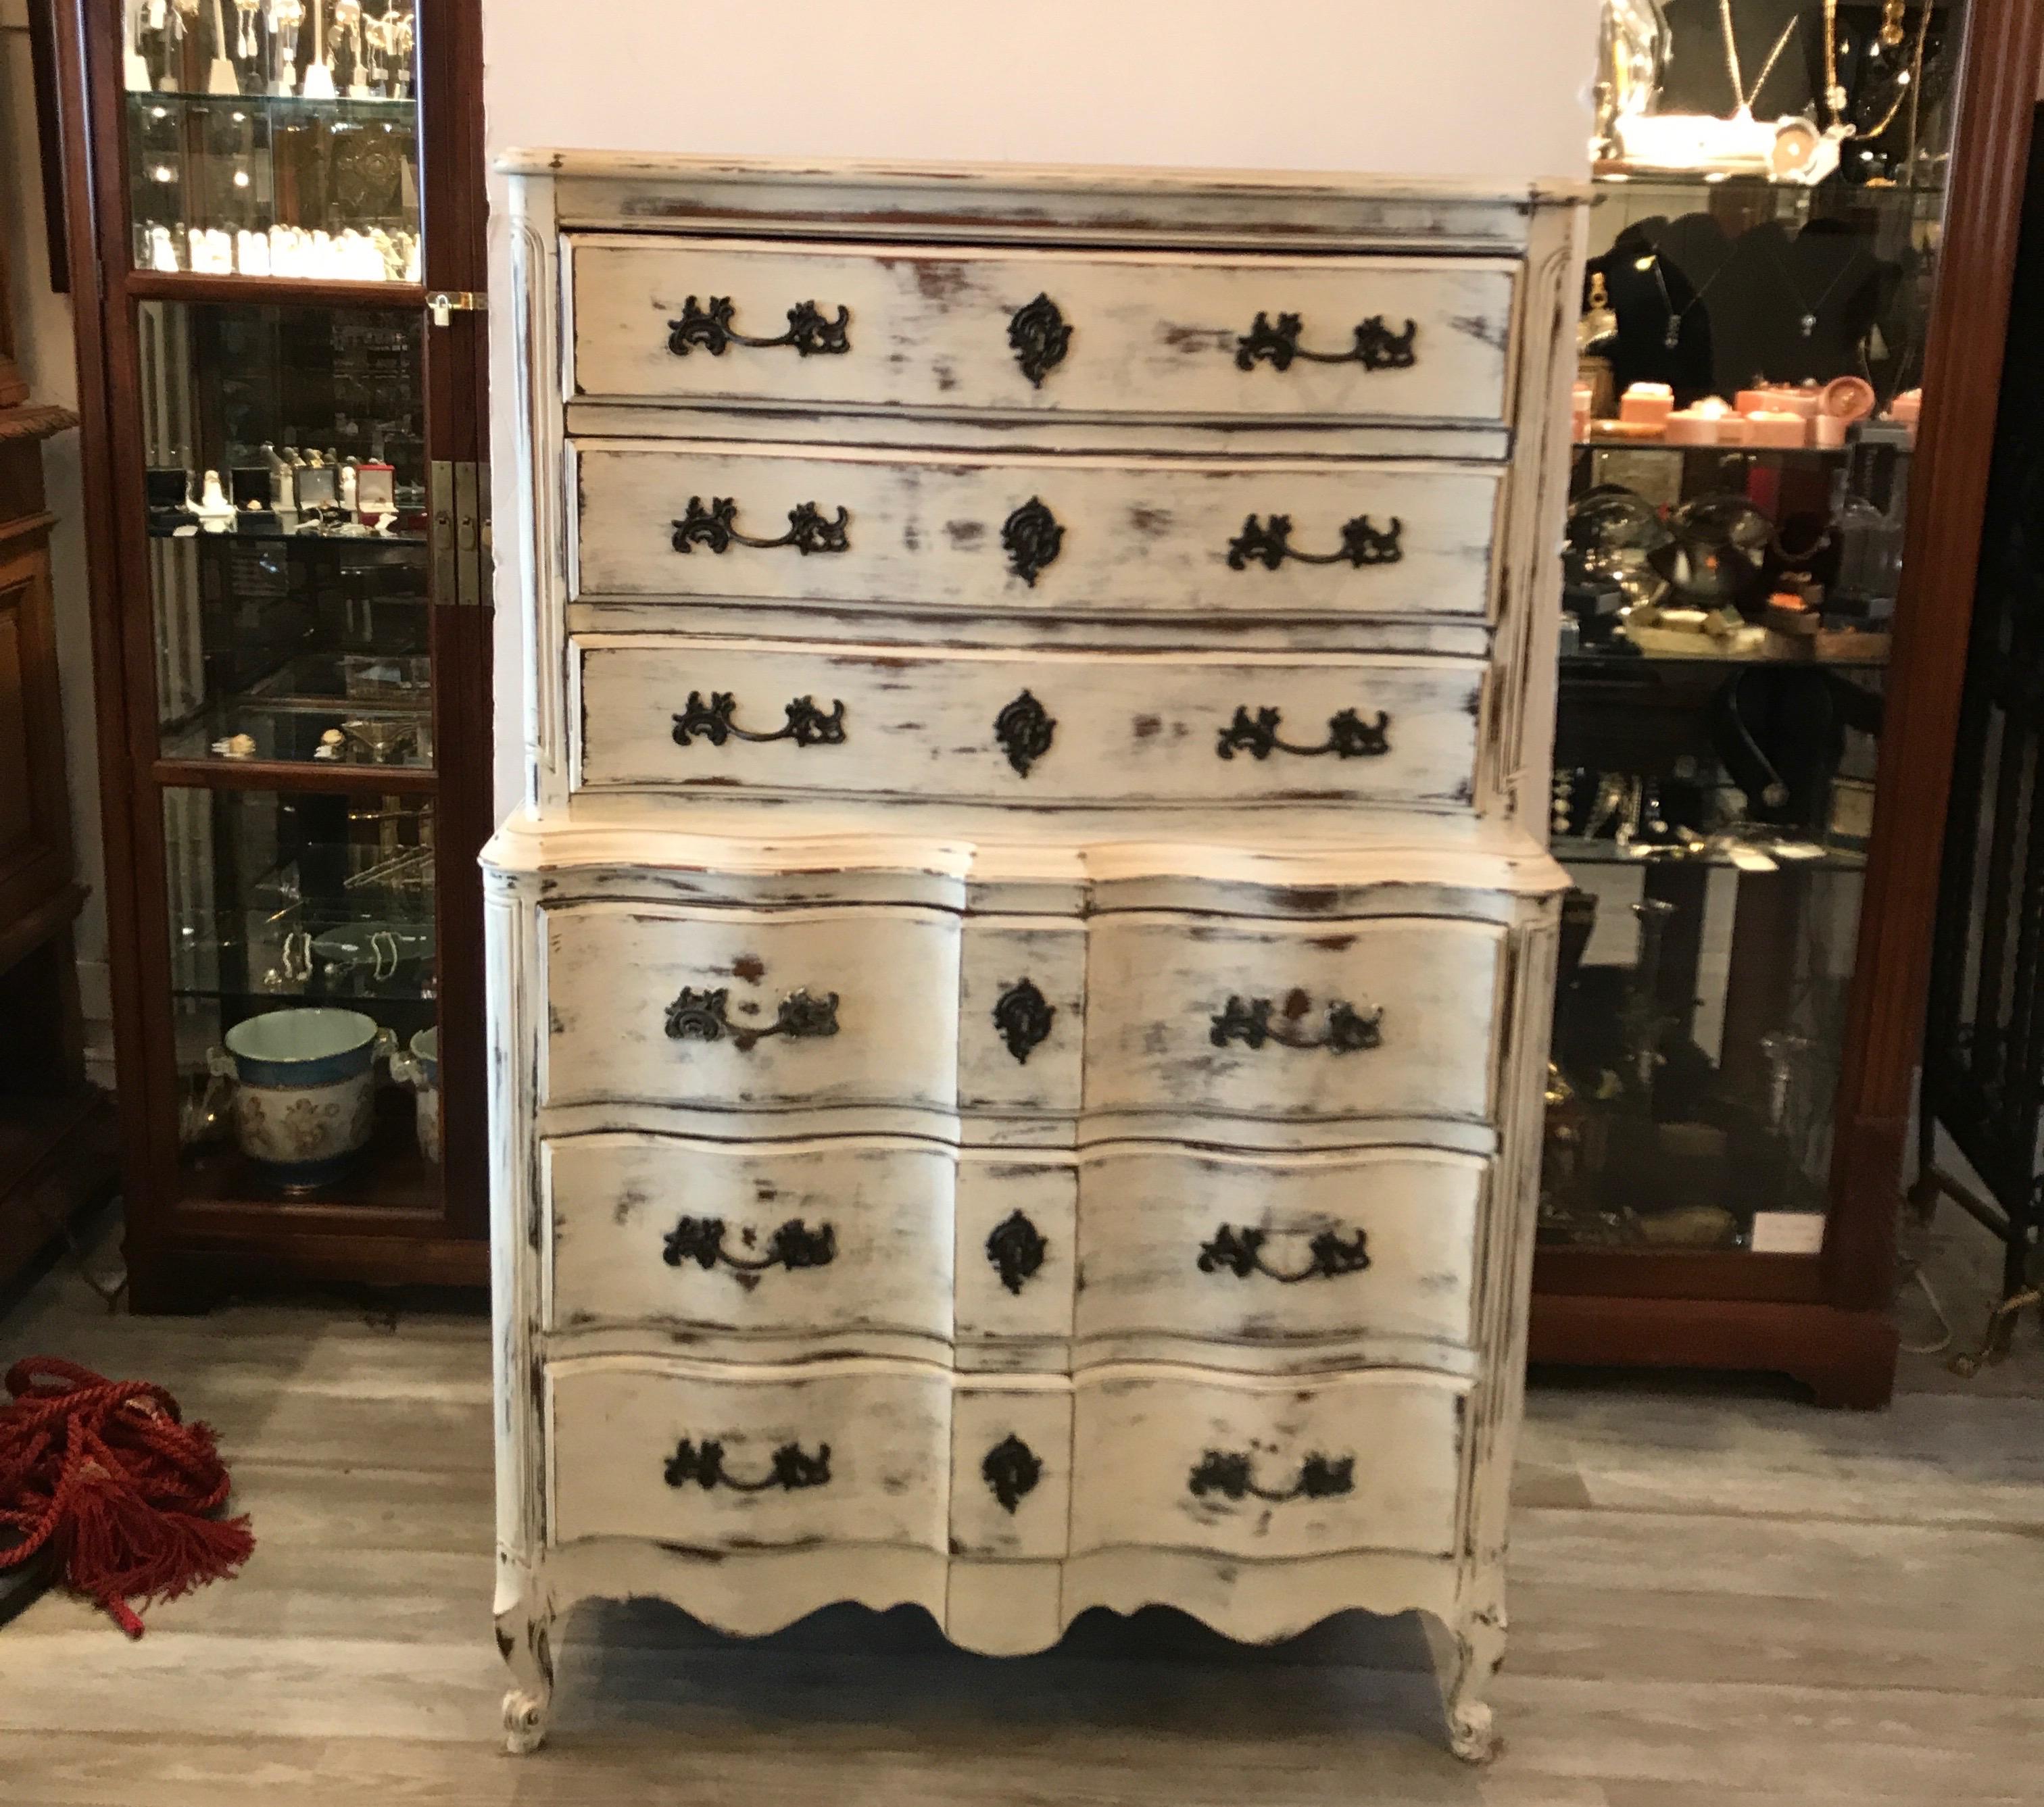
[{"x": 1020, "y": 989}]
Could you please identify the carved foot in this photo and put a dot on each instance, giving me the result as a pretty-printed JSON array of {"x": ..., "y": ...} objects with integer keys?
[
  {"x": 1471, "y": 1735},
  {"x": 525, "y": 1641},
  {"x": 524, "y": 1722},
  {"x": 1479, "y": 1650}
]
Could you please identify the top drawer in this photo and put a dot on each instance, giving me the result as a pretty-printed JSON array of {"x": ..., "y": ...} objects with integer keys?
[{"x": 1160, "y": 335}]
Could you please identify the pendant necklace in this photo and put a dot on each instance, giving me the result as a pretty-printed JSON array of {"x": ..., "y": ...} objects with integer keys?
[
  {"x": 1673, "y": 338},
  {"x": 1812, "y": 309}
]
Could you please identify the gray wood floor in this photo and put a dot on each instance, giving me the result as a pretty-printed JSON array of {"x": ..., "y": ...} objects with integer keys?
[{"x": 1719, "y": 1594}]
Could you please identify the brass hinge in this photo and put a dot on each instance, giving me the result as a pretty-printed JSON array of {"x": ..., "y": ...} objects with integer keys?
[
  {"x": 442, "y": 305},
  {"x": 458, "y": 507}
]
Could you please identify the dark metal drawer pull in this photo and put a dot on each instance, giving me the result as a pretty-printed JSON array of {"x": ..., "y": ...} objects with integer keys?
[
  {"x": 1024, "y": 1016},
  {"x": 1012, "y": 1469},
  {"x": 806, "y": 725},
  {"x": 1016, "y": 1249},
  {"x": 1233, "y": 1476},
  {"x": 700, "y": 1016},
  {"x": 1349, "y": 736},
  {"x": 808, "y": 332},
  {"x": 1240, "y": 1252},
  {"x": 1363, "y": 543},
  {"x": 1250, "y": 1021},
  {"x": 703, "y": 1464},
  {"x": 1025, "y": 731},
  {"x": 1032, "y": 538},
  {"x": 808, "y": 530},
  {"x": 1038, "y": 337},
  {"x": 792, "y": 1246},
  {"x": 1377, "y": 348}
]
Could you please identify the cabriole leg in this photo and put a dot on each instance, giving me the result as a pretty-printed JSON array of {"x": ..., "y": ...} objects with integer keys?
[
  {"x": 1479, "y": 1642},
  {"x": 524, "y": 1636}
]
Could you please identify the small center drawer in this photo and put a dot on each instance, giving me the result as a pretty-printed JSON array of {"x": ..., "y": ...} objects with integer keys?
[
  {"x": 1093, "y": 730},
  {"x": 1069, "y": 536},
  {"x": 950, "y": 329},
  {"x": 750, "y": 1458}
]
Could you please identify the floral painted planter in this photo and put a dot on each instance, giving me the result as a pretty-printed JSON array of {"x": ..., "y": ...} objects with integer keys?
[
  {"x": 420, "y": 1069},
  {"x": 305, "y": 1091}
]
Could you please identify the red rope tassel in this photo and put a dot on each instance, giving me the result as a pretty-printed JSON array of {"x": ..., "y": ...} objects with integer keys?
[{"x": 109, "y": 1474}]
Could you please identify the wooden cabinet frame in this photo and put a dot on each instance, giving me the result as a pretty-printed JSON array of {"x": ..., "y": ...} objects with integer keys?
[{"x": 184, "y": 1249}]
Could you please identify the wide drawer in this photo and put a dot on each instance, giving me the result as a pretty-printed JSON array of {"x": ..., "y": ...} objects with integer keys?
[
  {"x": 1022, "y": 332},
  {"x": 1067, "y": 536},
  {"x": 749, "y": 1458},
  {"x": 1292, "y": 1023},
  {"x": 1277, "y": 1250},
  {"x": 1175, "y": 1459},
  {"x": 796, "y": 1009},
  {"x": 751, "y": 1009},
  {"x": 657, "y": 712},
  {"x": 837, "y": 1236}
]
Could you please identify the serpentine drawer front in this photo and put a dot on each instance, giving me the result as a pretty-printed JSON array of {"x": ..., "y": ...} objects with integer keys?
[
  {"x": 729, "y": 1244},
  {"x": 1279, "y": 1252},
  {"x": 1180, "y": 1459},
  {"x": 1066, "y": 536},
  {"x": 1020, "y": 986},
  {"x": 1103, "y": 731},
  {"x": 1154, "y": 335},
  {"x": 1292, "y": 1022},
  {"x": 748, "y": 1458}
]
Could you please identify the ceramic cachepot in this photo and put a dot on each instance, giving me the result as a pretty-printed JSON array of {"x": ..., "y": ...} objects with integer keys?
[
  {"x": 305, "y": 1091},
  {"x": 420, "y": 1069}
]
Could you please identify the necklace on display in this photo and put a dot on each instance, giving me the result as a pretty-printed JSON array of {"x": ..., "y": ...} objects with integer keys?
[
  {"x": 1890, "y": 34},
  {"x": 1812, "y": 309},
  {"x": 1739, "y": 92},
  {"x": 1651, "y": 262}
]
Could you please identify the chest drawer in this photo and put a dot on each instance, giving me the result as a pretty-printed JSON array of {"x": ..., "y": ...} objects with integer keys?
[
  {"x": 1152, "y": 335},
  {"x": 1089, "y": 730},
  {"x": 751, "y": 1009},
  {"x": 1068, "y": 536},
  {"x": 748, "y": 1458},
  {"x": 1292, "y": 1022},
  {"x": 771, "y": 1238},
  {"x": 1165, "y": 1459},
  {"x": 776, "y": 1009},
  {"x": 1277, "y": 1250}
]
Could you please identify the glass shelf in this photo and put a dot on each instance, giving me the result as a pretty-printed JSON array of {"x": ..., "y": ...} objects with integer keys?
[
  {"x": 1758, "y": 856},
  {"x": 1634, "y": 665},
  {"x": 301, "y": 535},
  {"x": 1823, "y": 456},
  {"x": 330, "y": 106}
]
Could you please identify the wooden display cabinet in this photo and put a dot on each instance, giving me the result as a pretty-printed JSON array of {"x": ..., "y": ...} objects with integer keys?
[
  {"x": 1752, "y": 814},
  {"x": 286, "y": 450}
]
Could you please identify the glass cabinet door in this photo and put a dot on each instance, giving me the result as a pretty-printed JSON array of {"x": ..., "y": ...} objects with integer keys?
[{"x": 1751, "y": 348}]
